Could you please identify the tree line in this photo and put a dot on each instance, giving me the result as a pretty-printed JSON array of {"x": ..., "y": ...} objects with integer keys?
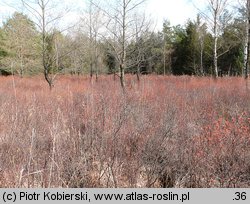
[{"x": 116, "y": 37}]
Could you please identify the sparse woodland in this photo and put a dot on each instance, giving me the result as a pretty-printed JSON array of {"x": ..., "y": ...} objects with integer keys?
[
  {"x": 110, "y": 102},
  {"x": 117, "y": 37}
]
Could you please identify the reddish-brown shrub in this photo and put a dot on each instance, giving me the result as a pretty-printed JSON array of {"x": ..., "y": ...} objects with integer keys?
[{"x": 161, "y": 132}]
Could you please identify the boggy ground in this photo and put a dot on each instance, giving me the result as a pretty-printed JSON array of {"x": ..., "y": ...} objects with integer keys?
[{"x": 160, "y": 132}]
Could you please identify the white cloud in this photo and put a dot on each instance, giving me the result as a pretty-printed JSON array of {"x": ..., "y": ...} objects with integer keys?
[{"x": 176, "y": 11}]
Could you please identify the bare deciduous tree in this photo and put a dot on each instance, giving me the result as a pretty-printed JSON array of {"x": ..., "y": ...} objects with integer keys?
[
  {"x": 121, "y": 30},
  {"x": 201, "y": 37},
  {"x": 45, "y": 17},
  {"x": 142, "y": 26},
  {"x": 217, "y": 8},
  {"x": 94, "y": 25},
  {"x": 247, "y": 40}
]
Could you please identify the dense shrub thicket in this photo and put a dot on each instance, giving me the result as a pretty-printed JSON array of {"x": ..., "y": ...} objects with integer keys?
[{"x": 160, "y": 132}]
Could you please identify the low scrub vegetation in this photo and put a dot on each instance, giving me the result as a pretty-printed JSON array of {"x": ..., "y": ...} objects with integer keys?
[{"x": 160, "y": 132}]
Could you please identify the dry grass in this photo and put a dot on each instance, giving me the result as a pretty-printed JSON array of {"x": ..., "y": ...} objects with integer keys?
[{"x": 163, "y": 132}]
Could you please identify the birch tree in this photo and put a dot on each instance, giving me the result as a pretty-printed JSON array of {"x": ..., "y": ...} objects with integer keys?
[
  {"x": 217, "y": 9},
  {"x": 201, "y": 30},
  {"x": 247, "y": 40}
]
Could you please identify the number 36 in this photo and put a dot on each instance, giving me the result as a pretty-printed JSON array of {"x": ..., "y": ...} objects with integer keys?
[{"x": 241, "y": 196}]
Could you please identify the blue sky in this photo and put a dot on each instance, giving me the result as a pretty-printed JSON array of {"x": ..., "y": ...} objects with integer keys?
[{"x": 177, "y": 11}]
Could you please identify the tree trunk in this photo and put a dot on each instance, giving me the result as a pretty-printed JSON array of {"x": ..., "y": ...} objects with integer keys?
[
  {"x": 201, "y": 58},
  {"x": 123, "y": 56},
  {"x": 91, "y": 69},
  {"x": 91, "y": 40},
  {"x": 218, "y": 8},
  {"x": 245, "y": 49},
  {"x": 22, "y": 67},
  {"x": 44, "y": 48},
  {"x": 201, "y": 65},
  {"x": 216, "y": 57},
  {"x": 21, "y": 62},
  {"x": 96, "y": 74},
  {"x": 138, "y": 72},
  {"x": 122, "y": 76},
  {"x": 215, "y": 45},
  {"x": 48, "y": 79},
  {"x": 96, "y": 60},
  {"x": 248, "y": 41},
  {"x": 164, "y": 56}
]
